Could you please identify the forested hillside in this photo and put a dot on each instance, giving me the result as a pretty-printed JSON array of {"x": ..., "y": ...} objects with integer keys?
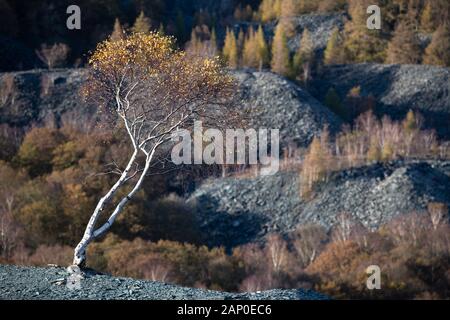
[{"x": 363, "y": 119}]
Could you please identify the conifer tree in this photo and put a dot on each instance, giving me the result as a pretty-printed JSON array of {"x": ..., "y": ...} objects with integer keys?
[
  {"x": 411, "y": 123},
  {"x": 213, "y": 41},
  {"x": 404, "y": 48},
  {"x": 194, "y": 44},
  {"x": 288, "y": 12},
  {"x": 334, "y": 52},
  {"x": 427, "y": 21},
  {"x": 307, "y": 6},
  {"x": 230, "y": 50},
  {"x": 304, "y": 57},
  {"x": 250, "y": 51},
  {"x": 203, "y": 42},
  {"x": 263, "y": 48},
  {"x": 374, "y": 152},
  {"x": 240, "y": 42},
  {"x": 438, "y": 51},
  {"x": 266, "y": 10},
  {"x": 238, "y": 14},
  {"x": 142, "y": 24},
  {"x": 362, "y": 44},
  {"x": 161, "y": 30},
  {"x": 277, "y": 8},
  {"x": 118, "y": 32},
  {"x": 280, "y": 63},
  {"x": 316, "y": 163}
]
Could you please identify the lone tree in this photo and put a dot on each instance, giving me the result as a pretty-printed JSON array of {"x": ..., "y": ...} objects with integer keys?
[{"x": 151, "y": 90}]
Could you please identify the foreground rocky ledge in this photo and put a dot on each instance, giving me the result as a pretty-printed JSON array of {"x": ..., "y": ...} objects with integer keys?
[{"x": 50, "y": 283}]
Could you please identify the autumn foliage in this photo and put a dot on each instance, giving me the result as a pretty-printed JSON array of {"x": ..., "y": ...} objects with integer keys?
[{"x": 369, "y": 140}]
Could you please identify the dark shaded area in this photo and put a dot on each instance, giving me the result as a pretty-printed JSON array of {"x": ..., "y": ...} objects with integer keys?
[{"x": 27, "y": 24}]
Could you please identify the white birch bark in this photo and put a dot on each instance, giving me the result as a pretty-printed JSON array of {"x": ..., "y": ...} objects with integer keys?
[{"x": 88, "y": 237}]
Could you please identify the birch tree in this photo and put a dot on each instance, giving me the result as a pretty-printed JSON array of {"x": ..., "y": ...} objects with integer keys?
[{"x": 150, "y": 90}]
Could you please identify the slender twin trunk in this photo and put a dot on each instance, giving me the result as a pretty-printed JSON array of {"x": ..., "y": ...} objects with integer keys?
[{"x": 91, "y": 233}]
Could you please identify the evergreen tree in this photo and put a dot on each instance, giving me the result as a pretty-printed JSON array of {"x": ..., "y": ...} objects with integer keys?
[
  {"x": 250, "y": 51},
  {"x": 240, "y": 43},
  {"x": 404, "y": 48},
  {"x": 331, "y": 5},
  {"x": 411, "y": 123},
  {"x": 193, "y": 44},
  {"x": 263, "y": 48},
  {"x": 334, "y": 52},
  {"x": 427, "y": 19},
  {"x": 288, "y": 12},
  {"x": 161, "y": 30},
  {"x": 280, "y": 63},
  {"x": 438, "y": 52},
  {"x": 213, "y": 40},
  {"x": 230, "y": 50},
  {"x": 304, "y": 57},
  {"x": 277, "y": 8},
  {"x": 265, "y": 10},
  {"x": 307, "y": 6},
  {"x": 118, "y": 32},
  {"x": 203, "y": 42},
  {"x": 142, "y": 24},
  {"x": 362, "y": 44},
  {"x": 238, "y": 14},
  {"x": 374, "y": 152},
  {"x": 256, "y": 52},
  {"x": 316, "y": 163}
]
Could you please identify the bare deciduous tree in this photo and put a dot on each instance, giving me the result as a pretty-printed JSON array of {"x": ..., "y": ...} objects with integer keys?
[
  {"x": 438, "y": 213},
  {"x": 409, "y": 228},
  {"x": 277, "y": 252},
  {"x": 151, "y": 90},
  {"x": 154, "y": 268},
  {"x": 309, "y": 241},
  {"x": 53, "y": 56},
  {"x": 343, "y": 228},
  {"x": 10, "y": 231}
]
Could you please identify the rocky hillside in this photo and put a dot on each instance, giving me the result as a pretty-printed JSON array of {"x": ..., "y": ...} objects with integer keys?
[
  {"x": 320, "y": 26},
  {"x": 54, "y": 283},
  {"x": 396, "y": 89},
  {"x": 52, "y": 97},
  {"x": 236, "y": 211},
  {"x": 280, "y": 104},
  {"x": 40, "y": 96}
]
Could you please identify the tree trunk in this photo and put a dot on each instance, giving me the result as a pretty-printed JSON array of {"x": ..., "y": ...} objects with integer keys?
[
  {"x": 92, "y": 234},
  {"x": 80, "y": 251}
]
